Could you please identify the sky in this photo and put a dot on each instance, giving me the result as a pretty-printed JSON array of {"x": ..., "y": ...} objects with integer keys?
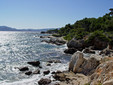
[{"x": 38, "y": 14}]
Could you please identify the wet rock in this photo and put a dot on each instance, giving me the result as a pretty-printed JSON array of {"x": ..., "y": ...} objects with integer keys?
[
  {"x": 28, "y": 73},
  {"x": 58, "y": 72},
  {"x": 34, "y": 63},
  {"x": 70, "y": 50},
  {"x": 50, "y": 61},
  {"x": 44, "y": 81},
  {"x": 48, "y": 64},
  {"x": 47, "y": 41},
  {"x": 46, "y": 36},
  {"x": 87, "y": 50},
  {"x": 54, "y": 61},
  {"x": 36, "y": 71},
  {"x": 43, "y": 32},
  {"x": 53, "y": 72},
  {"x": 46, "y": 72},
  {"x": 24, "y": 69}
]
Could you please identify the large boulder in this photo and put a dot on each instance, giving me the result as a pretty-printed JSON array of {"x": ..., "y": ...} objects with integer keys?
[
  {"x": 99, "y": 44},
  {"x": 44, "y": 81},
  {"x": 78, "y": 64},
  {"x": 76, "y": 60},
  {"x": 34, "y": 63},
  {"x": 77, "y": 44}
]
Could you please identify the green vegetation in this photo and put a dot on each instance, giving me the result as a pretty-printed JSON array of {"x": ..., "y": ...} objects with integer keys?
[
  {"x": 98, "y": 34},
  {"x": 90, "y": 28},
  {"x": 87, "y": 84}
]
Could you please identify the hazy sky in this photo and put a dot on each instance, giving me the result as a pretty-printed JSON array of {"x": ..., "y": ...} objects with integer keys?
[{"x": 38, "y": 14}]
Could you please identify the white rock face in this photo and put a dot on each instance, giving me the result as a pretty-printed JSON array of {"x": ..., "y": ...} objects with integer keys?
[
  {"x": 76, "y": 60},
  {"x": 78, "y": 64}
]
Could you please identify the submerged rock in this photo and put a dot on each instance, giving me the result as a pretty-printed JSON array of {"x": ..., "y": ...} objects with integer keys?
[
  {"x": 46, "y": 72},
  {"x": 28, "y": 73},
  {"x": 24, "y": 69},
  {"x": 54, "y": 61},
  {"x": 36, "y": 71},
  {"x": 44, "y": 81},
  {"x": 34, "y": 63}
]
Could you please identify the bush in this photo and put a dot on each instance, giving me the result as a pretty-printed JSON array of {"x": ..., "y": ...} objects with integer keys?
[{"x": 98, "y": 34}]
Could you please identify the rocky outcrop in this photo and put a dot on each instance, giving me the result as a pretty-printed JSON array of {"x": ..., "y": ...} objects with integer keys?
[
  {"x": 99, "y": 44},
  {"x": 77, "y": 44},
  {"x": 76, "y": 60},
  {"x": 56, "y": 41},
  {"x": 70, "y": 78},
  {"x": 46, "y": 36},
  {"x": 44, "y": 81},
  {"x": 34, "y": 63},
  {"x": 103, "y": 73},
  {"x": 109, "y": 82},
  {"x": 78, "y": 64},
  {"x": 107, "y": 52}
]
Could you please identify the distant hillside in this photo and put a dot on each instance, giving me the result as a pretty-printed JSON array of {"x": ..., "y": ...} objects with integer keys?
[{"x": 5, "y": 28}]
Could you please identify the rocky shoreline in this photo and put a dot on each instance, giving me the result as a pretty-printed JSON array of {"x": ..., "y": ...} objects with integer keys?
[
  {"x": 93, "y": 70},
  {"x": 85, "y": 71}
]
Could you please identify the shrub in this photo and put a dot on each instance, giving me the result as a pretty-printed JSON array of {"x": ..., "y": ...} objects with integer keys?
[{"x": 98, "y": 34}]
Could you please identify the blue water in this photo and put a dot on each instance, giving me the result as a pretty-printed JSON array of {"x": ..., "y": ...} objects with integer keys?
[{"x": 17, "y": 48}]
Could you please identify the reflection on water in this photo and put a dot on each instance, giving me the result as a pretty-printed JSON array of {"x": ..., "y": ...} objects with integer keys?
[{"x": 16, "y": 48}]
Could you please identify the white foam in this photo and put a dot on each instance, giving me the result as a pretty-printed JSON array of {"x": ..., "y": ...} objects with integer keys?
[{"x": 33, "y": 80}]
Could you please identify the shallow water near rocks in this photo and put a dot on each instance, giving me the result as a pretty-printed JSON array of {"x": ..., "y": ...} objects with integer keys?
[{"x": 17, "y": 48}]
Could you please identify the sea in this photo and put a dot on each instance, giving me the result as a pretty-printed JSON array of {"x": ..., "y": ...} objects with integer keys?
[{"x": 18, "y": 48}]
